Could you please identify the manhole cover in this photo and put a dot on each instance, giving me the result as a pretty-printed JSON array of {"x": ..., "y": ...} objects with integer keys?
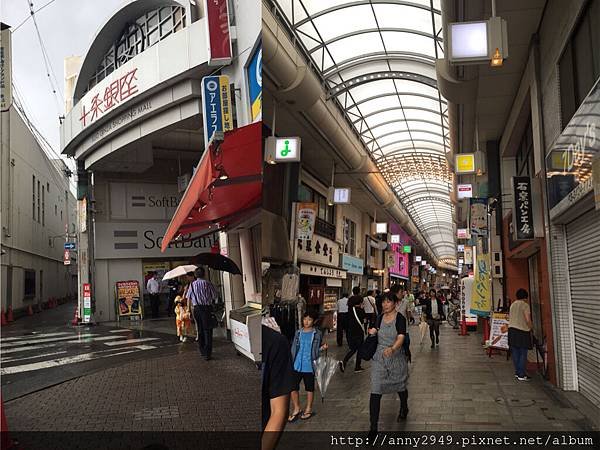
[
  {"x": 161, "y": 412},
  {"x": 515, "y": 402}
]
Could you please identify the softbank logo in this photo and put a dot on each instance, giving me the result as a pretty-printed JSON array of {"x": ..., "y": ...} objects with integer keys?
[
  {"x": 131, "y": 245},
  {"x": 141, "y": 201}
]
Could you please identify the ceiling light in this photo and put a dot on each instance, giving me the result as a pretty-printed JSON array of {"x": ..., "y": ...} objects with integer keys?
[{"x": 497, "y": 59}]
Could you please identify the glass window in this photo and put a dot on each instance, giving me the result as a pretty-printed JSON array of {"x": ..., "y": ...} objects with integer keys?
[
  {"x": 349, "y": 237},
  {"x": 38, "y": 201},
  {"x": 29, "y": 284},
  {"x": 33, "y": 191}
]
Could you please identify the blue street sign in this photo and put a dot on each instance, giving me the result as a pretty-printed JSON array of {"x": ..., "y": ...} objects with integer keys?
[
  {"x": 69, "y": 245},
  {"x": 216, "y": 103}
]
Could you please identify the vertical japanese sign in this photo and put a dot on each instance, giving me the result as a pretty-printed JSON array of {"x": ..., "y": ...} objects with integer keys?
[
  {"x": 87, "y": 302},
  {"x": 5, "y": 70},
  {"x": 523, "y": 216},
  {"x": 216, "y": 102},
  {"x": 67, "y": 257},
  {"x": 478, "y": 216},
  {"x": 305, "y": 220},
  {"x": 481, "y": 298},
  {"x": 254, "y": 73},
  {"x": 217, "y": 30}
]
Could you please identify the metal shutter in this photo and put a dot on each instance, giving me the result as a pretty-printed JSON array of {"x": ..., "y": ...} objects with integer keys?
[{"x": 583, "y": 243}]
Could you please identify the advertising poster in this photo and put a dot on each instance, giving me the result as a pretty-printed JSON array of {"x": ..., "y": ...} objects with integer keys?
[
  {"x": 128, "y": 298},
  {"x": 499, "y": 331},
  {"x": 478, "y": 216},
  {"x": 469, "y": 255},
  {"x": 481, "y": 297},
  {"x": 305, "y": 220}
]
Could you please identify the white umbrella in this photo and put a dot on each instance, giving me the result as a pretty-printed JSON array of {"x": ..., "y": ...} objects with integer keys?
[
  {"x": 179, "y": 271},
  {"x": 325, "y": 367}
]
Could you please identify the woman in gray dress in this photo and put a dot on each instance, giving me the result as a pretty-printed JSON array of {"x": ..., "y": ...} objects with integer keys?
[{"x": 389, "y": 371}]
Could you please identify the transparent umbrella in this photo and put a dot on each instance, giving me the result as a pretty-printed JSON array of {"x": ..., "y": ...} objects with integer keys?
[{"x": 325, "y": 367}]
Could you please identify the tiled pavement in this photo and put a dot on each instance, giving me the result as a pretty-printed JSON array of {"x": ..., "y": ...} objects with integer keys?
[
  {"x": 179, "y": 392},
  {"x": 454, "y": 387}
]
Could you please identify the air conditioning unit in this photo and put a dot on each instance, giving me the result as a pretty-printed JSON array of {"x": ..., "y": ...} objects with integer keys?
[{"x": 497, "y": 268}]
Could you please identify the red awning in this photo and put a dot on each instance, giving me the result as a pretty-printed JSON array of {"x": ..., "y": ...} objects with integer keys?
[{"x": 226, "y": 185}]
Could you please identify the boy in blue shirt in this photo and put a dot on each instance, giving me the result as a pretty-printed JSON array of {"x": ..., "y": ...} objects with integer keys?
[{"x": 305, "y": 350}]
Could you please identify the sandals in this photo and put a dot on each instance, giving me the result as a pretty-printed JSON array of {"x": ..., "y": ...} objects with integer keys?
[
  {"x": 306, "y": 415},
  {"x": 294, "y": 417}
]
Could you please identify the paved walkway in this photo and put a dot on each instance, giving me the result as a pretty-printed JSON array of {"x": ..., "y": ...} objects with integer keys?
[{"x": 454, "y": 387}]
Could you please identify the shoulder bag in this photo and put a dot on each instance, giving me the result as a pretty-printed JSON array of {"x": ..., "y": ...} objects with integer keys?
[{"x": 367, "y": 349}]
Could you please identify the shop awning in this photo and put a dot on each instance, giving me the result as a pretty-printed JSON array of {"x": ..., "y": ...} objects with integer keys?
[{"x": 226, "y": 185}]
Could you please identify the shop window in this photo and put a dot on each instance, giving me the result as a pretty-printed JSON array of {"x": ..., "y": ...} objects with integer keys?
[
  {"x": 579, "y": 65},
  {"x": 33, "y": 191},
  {"x": 38, "y": 201},
  {"x": 29, "y": 287},
  {"x": 43, "y": 207},
  {"x": 349, "y": 237},
  {"x": 524, "y": 159}
]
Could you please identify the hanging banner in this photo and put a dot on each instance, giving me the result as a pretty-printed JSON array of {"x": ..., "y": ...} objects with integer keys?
[
  {"x": 217, "y": 30},
  {"x": 523, "y": 217},
  {"x": 481, "y": 298},
  {"x": 5, "y": 70},
  {"x": 469, "y": 255},
  {"x": 254, "y": 73},
  {"x": 216, "y": 102},
  {"x": 478, "y": 216},
  {"x": 305, "y": 220},
  {"x": 128, "y": 298},
  {"x": 499, "y": 331}
]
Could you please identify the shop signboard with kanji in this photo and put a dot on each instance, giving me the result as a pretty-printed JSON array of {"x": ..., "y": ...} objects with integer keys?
[
  {"x": 305, "y": 220},
  {"x": 523, "y": 216},
  {"x": 218, "y": 32},
  {"x": 478, "y": 216},
  {"x": 499, "y": 331},
  {"x": 128, "y": 298},
  {"x": 216, "y": 106},
  {"x": 87, "y": 302}
]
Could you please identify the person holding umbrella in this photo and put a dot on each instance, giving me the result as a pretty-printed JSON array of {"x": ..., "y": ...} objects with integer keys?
[
  {"x": 305, "y": 351},
  {"x": 389, "y": 373},
  {"x": 203, "y": 295}
]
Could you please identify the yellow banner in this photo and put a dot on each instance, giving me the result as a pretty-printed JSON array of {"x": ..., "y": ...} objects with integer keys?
[
  {"x": 481, "y": 292},
  {"x": 226, "y": 113}
]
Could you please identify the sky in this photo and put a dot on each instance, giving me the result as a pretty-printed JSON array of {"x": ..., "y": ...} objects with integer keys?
[{"x": 67, "y": 28}]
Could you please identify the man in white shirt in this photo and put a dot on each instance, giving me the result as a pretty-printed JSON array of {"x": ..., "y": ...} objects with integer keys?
[
  {"x": 153, "y": 288},
  {"x": 342, "y": 318},
  {"x": 369, "y": 308}
]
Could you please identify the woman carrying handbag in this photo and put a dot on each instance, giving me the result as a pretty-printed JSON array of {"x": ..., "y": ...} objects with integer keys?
[
  {"x": 355, "y": 333},
  {"x": 389, "y": 371}
]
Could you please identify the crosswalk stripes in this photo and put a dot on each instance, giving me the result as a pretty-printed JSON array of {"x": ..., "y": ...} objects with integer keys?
[{"x": 50, "y": 350}]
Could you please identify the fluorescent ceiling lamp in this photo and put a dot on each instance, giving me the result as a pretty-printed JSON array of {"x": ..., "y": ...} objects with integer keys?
[{"x": 468, "y": 41}]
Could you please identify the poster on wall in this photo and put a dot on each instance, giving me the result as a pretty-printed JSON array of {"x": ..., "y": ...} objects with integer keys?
[
  {"x": 128, "y": 298},
  {"x": 499, "y": 331},
  {"x": 468, "y": 255},
  {"x": 481, "y": 298},
  {"x": 478, "y": 216},
  {"x": 305, "y": 220}
]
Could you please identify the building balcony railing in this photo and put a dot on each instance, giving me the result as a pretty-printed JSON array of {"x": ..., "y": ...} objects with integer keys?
[{"x": 325, "y": 229}]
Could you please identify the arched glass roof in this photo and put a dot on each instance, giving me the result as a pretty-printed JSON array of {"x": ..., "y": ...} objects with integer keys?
[{"x": 377, "y": 60}]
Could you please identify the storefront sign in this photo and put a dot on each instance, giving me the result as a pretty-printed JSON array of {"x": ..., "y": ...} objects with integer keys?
[
  {"x": 418, "y": 258},
  {"x": 381, "y": 228},
  {"x": 415, "y": 271},
  {"x": 239, "y": 334},
  {"x": 143, "y": 240},
  {"x": 460, "y": 248},
  {"x": 319, "y": 250},
  {"x": 67, "y": 257},
  {"x": 216, "y": 101},
  {"x": 305, "y": 220},
  {"x": 523, "y": 208},
  {"x": 82, "y": 209},
  {"x": 462, "y": 233},
  {"x": 465, "y": 163},
  {"x": 478, "y": 216},
  {"x": 400, "y": 264},
  {"x": 353, "y": 264},
  {"x": 321, "y": 271},
  {"x": 282, "y": 149},
  {"x": 464, "y": 191},
  {"x": 468, "y": 255},
  {"x": 87, "y": 302},
  {"x": 341, "y": 196},
  {"x": 499, "y": 331},
  {"x": 134, "y": 113},
  {"x": 5, "y": 70},
  {"x": 254, "y": 73},
  {"x": 406, "y": 249},
  {"x": 128, "y": 298},
  {"x": 395, "y": 239},
  {"x": 481, "y": 299},
  {"x": 217, "y": 30}
]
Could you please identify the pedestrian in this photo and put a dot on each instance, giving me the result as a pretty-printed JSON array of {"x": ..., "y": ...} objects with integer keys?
[
  {"x": 369, "y": 308},
  {"x": 378, "y": 300},
  {"x": 409, "y": 299},
  {"x": 389, "y": 371},
  {"x": 305, "y": 351},
  {"x": 189, "y": 279},
  {"x": 434, "y": 313},
  {"x": 277, "y": 384},
  {"x": 342, "y": 318},
  {"x": 183, "y": 318},
  {"x": 203, "y": 295},
  {"x": 153, "y": 288},
  {"x": 174, "y": 286},
  {"x": 519, "y": 334},
  {"x": 355, "y": 332}
]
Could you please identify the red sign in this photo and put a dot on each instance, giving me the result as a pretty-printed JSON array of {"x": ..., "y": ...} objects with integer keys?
[
  {"x": 87, "y": 290},
  {"x": 217, "y": 20},
  {"x": 116, "y": 92},
  {"x": 67, "y": 258}
]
